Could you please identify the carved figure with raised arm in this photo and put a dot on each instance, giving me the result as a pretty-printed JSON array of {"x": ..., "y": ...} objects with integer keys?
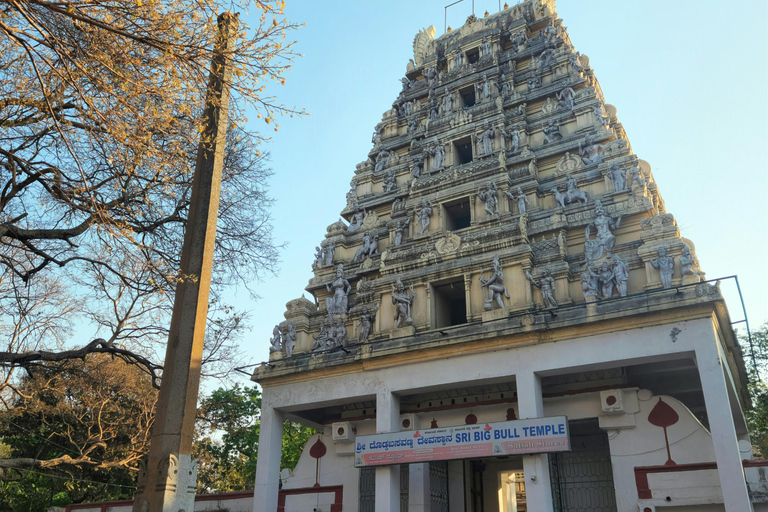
[
  {"x": 665, "y": 265},
  {"x": 490, "y": 197},
  {"x": 340, "y": 288},
  {"x": 402, "y": 299},
  {"x": 319, "y": 257},
  {"x": 519, "y": 198},
  {"x": 276, "y": 341},
  {"x": 356, "y": 222},
  {"x": 590, "y": 151},
  {"x": 425, "y": 215},
  {"x": 546, "y": 283},
  {"x": 604, "y": 240},
  {"x": 513, "y": 136},
  {"x": 550, "y": 32},
  {"x": 620, "y": 274},
  {"x": 495, "y": 286},
  {"x": 545, "y": 59},
  {"x": 365, "y": 323},
  {"x": 290, "y": 340},
  {"x": 637, "y": 177},
  {"x": 400, "y": 230}
]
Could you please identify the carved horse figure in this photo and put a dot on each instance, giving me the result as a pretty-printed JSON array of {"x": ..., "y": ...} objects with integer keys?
[{"x": 570, "y": 196}]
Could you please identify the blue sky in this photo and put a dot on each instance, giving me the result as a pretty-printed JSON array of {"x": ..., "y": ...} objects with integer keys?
[{"x": 688, "y": 79}]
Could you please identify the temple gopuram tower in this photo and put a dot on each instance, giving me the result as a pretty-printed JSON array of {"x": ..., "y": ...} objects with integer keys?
[{"x": 507, "y": 318}]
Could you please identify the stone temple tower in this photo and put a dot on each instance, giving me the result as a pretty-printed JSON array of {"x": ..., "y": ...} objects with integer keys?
[{"x": 506, "y": 255}]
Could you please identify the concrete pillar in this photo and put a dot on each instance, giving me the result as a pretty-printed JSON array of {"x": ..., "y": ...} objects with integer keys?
[
  {"x": 536, "y": 467},
  {"x": 455, "y": 486},
  {"x": 418, "y": 488},
  {"x": 387, "y": 477},
  {"x": 268, "y": 463},
  {"x": 711, "y": 363}
]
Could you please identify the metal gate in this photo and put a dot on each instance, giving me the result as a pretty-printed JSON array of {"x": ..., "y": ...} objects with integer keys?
[
  {"x": 438, "y": 486},
  {"x": 582, "y": 479},
  {"x": 367, "y": 489}
]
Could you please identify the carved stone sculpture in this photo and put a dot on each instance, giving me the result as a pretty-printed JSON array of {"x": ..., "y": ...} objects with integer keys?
[
  {"x": 376, "y": 137},
  {"x": 549, "y": 106},
  {"x": 687, "y": 262},
  {"x": 572, "y": 193},
  {"x": 276, "y": 341},
  {"x": 330, "y": 252},
  {"x": 352, "y": 194},
  {"x": 458, "y": 59},
  {"x": 485, "y": 45},
  {"x": 518, "y": 198},
  {"x": 381, "y": 161},
  {"x": 437, "y": 152},
  {"x": 486, "y": 138},
  {"x": 485, "y": 87},
  {"x": 665, "y": 265},
  {"x": 518, "y": 40},
  {"x": 490, "y": 197},
  {"x": 430, "y": 74},
  {"x": 522, "y": 111},
  {"x": 606, "y": 280},
  {"x": 638, "y": 180},
  {"x": 370, "y": 246},
  {"x": 604, "y": 238},
  {"x": 340, "y": 288},
  {"x": 545, "y": 59},
  {"x": 399, "y": 230},
  {"x": 513, "y": 136},
  {"x": 619, "y": 178},
  {"x": 319, "y": 257},
  {"x": 425, "y": 215},
  {"x": 551, "y": 131},
  {"x": 590, "y": 151},
  {"x": 398, "y": 207},
  {"x": 503, "y": 86},
  {"x": 357, "y": 221},
  {"x": 620, "y": 274},
  {"x": 390, "y": 182},
  {"x": 433, "y": 109},
  {"x": 533, "y": 82},
  {"x": 290, "y": 340},
  {"x": 549, "y": 32},
  {"x": 590, "y": 281},
  {"x": 447, "y": 102},
  {"x": 402, "y": 300},
  {"x": 575, "y": 62},
  {"x": 331, "y": 336},
  {"x": 600, "y": 117},
  {"x": 416, "y": 168},
  {"x": 495, "y": 286},
  {"x": 365, "y": 323},
  {"x": 566, "y": 97},
  {"x": 546, "y": 283},
  {"x": 413, "y": 124}
]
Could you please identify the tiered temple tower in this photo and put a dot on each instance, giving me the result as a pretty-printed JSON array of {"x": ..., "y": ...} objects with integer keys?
[{"x": 500, "y": 231}]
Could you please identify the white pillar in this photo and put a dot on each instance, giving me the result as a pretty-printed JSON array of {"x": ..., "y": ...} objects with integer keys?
[
  {"x": 268, "y": 463},
  {"x": 387, "y": 477},
  {"x": 456, "y": 486},
  {"x": 536, "y": 467},
  {"x": 418, "y": 488},
  {"x": 713, "y": 384}
]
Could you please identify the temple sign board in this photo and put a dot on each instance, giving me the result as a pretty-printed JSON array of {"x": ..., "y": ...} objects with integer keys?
[{"x": 537, "y": 435}]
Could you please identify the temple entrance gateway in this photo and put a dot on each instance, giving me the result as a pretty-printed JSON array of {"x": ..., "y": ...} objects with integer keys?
[{"x": 509, "y": 259}]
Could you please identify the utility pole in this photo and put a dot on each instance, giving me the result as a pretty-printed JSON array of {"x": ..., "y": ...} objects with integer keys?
[{"x": 168, "y": 479}]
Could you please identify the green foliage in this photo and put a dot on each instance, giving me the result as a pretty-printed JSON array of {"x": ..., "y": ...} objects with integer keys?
[
  {"x": 75, "y": 433},
  {"x": 228, "y": 440},
  {"x": 757, "y": 418}
]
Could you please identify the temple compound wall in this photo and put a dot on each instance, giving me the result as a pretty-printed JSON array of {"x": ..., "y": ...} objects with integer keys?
[{"x": 506, "y": 259}]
